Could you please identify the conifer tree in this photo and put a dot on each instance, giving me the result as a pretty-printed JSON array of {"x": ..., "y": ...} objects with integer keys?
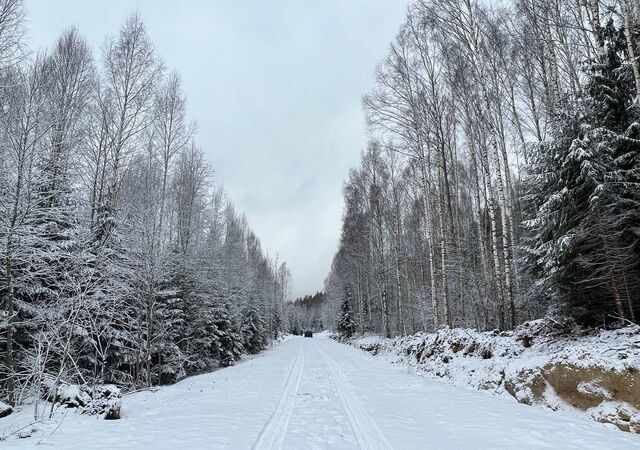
[
  {"x": 584, "y": 196},
  {"x": 253, "y": 330},
  {"x": 346, "y": 326},
  {"x": 227, "y": 336}
]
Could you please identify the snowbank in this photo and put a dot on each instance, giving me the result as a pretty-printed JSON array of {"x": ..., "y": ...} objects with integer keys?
[{"x": 550, "y": 363}]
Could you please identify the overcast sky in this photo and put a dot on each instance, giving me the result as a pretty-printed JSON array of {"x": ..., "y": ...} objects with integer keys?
[{"x": 276, "y": 88}]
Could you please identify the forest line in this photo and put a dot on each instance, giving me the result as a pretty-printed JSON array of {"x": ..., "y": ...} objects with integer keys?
[
  {"x": 501, "y": 179},
  {"x": 123, "y": 260}
]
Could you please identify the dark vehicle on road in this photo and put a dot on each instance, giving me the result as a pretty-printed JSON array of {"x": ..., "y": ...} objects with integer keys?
[{"x": 308, "y": 334}]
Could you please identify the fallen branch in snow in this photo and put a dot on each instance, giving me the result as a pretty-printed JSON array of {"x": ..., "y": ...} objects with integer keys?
[
  {"x": 59, "y": 423},
  {"x": 17, "y": 433}
]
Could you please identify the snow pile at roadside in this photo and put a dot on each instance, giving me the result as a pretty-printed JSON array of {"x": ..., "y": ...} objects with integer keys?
[{"x": 550, "y": 363}]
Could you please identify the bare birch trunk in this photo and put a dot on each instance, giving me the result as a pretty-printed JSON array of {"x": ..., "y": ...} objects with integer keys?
[
  {"x": 430, "y": 250},
  {"x": 633, "y": 59}
]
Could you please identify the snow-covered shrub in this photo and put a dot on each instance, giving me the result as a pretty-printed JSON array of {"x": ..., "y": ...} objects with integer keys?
[
  {"x": 69, "y": 395},
  {"x": 73, "y": 396},
  {"x": 100, "y": 400},
  {"x": 106, "y": 401}
]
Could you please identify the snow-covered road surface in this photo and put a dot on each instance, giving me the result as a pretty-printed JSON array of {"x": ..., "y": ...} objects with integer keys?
[{"x": 319, "y": 394}]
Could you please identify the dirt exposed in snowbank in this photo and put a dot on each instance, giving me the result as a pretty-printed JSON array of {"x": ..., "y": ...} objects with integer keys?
[{"x": 550, "y": 363}]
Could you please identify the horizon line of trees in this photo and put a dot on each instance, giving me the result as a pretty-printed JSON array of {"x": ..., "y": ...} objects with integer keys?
[
  {"x": 502, "y": 176},
  {"x": 307, "y": 313},
  {"x": 123, "y": 260}
]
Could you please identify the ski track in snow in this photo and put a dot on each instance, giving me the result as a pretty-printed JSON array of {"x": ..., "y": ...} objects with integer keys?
[
  {"x": 367, "y": 433},
  {"x": 315, "y": 394},
  {"x": 275, "y": 429}
]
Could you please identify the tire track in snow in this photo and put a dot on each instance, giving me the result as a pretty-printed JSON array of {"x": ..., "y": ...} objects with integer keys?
[
  {"x": 367, "y": 433},
  {"x": 275, "y": 429}
]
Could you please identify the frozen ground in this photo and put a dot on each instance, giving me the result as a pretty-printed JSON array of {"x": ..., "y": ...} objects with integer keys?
[{"x": 318, "y": 394}]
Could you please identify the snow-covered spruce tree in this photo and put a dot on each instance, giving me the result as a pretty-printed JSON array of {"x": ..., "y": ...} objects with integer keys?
[
  {"x": 584, "y": 198},
  {"x": 345, "y": 325},
  {"x": 227, "y": 335},
  {"x": 205, "y": 339},
  {"x": 168, "y": 359},
  {"x": 24, "y": 121},
  {"x": 172, "y": 338},
  {"x": 112, "y": 314},
  {"x": 58, "y": 261},
  {"x": 253, "y": 328}
]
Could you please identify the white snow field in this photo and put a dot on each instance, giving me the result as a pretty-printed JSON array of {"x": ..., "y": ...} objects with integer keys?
[{"x": 318, "y": 394}]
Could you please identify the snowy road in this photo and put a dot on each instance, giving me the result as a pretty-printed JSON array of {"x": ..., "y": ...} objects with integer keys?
[{"x": 318, "y": 394}]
